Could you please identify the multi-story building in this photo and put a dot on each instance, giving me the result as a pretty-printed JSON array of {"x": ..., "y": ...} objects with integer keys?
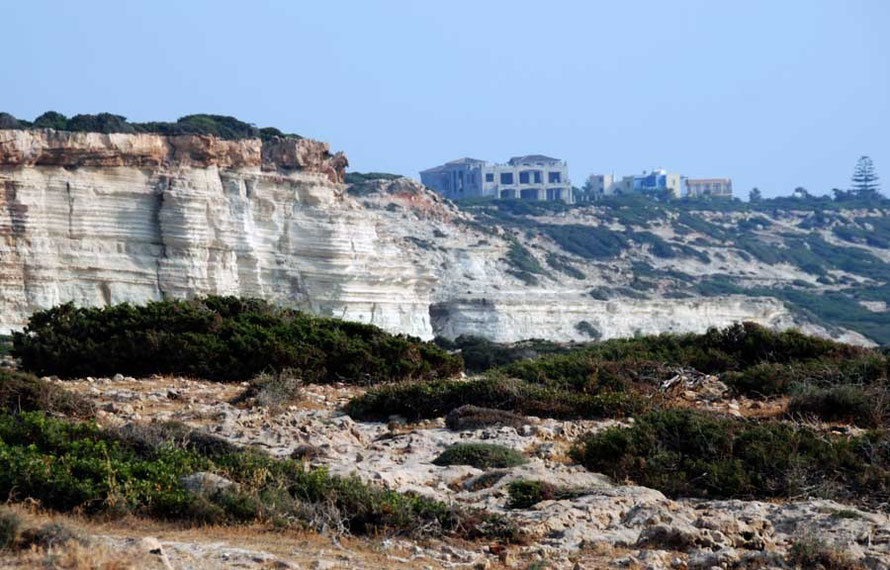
[
  {"x": 599, "y": 185},
  {"x": 530, "y": 177},
  {"x": 709, "y": 187},
  {"x": 651, "y": 183}
]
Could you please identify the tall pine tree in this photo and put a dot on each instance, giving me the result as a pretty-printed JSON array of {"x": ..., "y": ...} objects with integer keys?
[{"x": 865, "y": 179}]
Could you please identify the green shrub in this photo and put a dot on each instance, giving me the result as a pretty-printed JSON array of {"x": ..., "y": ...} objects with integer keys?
[
  {"x": 563, "y": 265},
  {"x": 526, "y": 494},
  {"x": 589, "y": 242},
  {"x": 480, "y": 456},
  {"x": 480, "y": 354},
  {"x": 272, "y": 390},
  {"x": 814, "y": 553},
  {"x": 77, "y": 465},
  {"x": 693, "y": 454},
  {"x": 10, "y": 529},
  {"x": 49, "y": 535},
  {"x": 423, "y": 400},
  {"x": 847, "y": 403},
  {"x": 21, "y": 392},
  {"x": 220, "y": 338},
  {"x": 752, "y": 359},
  {"x": 471, "y": 417},
  {"x": 360, "y": 177},
  {"x": 220, "y": 126},
  {"x": 522, "y": 260}
]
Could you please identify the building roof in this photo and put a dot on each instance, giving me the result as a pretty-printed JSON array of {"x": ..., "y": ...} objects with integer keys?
[
  {"x": 451, "y": 163},
  {"x": 531, "y": 158},
  {"x": 708, "y": 180}
]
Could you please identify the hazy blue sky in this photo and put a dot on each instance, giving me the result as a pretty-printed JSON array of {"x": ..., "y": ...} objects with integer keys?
[{"x": 775, "y": 93}]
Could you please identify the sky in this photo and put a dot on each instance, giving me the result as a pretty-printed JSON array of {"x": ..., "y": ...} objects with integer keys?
[{"x": 774, "y": 94}]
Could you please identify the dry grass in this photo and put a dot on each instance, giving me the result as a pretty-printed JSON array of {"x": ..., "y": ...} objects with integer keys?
[
  {"x": 76, "y": 556},
  {"x": 107, "y": 549}
]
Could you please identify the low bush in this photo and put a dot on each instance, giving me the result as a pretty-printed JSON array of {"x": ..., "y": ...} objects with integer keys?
[
  {"x": 775, "y": 378},
  {"x": 273, "y": 390},
  {"x": 424, "y": 400},
  {"x": 815, "y": 553},
  {"x": 471, "y": 417},
  {"x": 49, "y": 535},
  {"x": 10, "y": 528},
  {"x": 21, "y": 392},
  {"x": 480, "y": 456},
  {"x": 693, "y": 454},
  {"x": 361, "y": 177},
  {"x": 220, "y": 338},
  {"x": 750, "y": 358},
  {"x": 864, "y": 407},
  {"x": 79, "y": 466},
  {"x": 480, "y": 354},
  {"x": 526, "y": 494}
]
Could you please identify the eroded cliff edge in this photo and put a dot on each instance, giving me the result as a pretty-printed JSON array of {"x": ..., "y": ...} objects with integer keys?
[{"x": 104, "y": 218}]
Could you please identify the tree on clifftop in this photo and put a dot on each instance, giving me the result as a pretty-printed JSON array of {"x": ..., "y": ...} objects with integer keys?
[
  {"x": 754, "y": 195},
  {"x": 865, "y": 179}
]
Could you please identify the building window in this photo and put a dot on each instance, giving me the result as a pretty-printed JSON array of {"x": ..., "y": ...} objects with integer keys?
[
  {"x": 529, "y": 194},
  {"x": 524, "y": 177},
  {"x": 553, "y": 177},
  {"x": 506, "y": 178},
  {"x": 489, "y": 176},
  {"x": 538, "y": 177}
]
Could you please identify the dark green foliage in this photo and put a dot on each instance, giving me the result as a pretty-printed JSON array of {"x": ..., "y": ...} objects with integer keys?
[
  {"x": 684, "y": 453},
  {"x": 588, "y": 329},
  {"x": 272, "y": 390},
  {"x": 7, "y": 121},
  {"x": 590, "y": 242},
  {"x": 526, "y": 494},
  {"x": 10, "y": 528},
  {"x": 752, "y": 359},
  {"x": 480, "y": 354},
  {"x": 562, "y": 264},
  {"x": 858, "y": 405},
  {"x": 20, "y": 392},
  {"x": 220, "y": 338},
  {"x": 70, "y": 466},
  {"x": 480, "y": 456},
  {"x": 718, "y": 285},
  {"x": 471, "y": 417},
  {"x": 51, "y": 120},
  {"x": 523, "y": 264},
  {"x": 808, "y": 553},
  {"x": 360, "y": 177},
  {"x": 423, "y": 400},
  {"x": 101, "y": 123},
  {"x": 220, "y": 126}
]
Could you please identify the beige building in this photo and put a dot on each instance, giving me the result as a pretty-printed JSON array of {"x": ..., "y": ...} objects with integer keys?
[{"x": 709, "y": 187}]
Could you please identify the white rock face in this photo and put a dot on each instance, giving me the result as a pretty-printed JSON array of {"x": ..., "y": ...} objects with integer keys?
[{"x": 99, "y": 219}]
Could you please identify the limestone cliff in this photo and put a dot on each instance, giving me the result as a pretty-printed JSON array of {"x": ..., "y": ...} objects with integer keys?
[{"x": 97, "y": 218}]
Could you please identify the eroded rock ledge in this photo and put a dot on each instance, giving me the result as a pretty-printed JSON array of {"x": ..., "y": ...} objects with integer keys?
[{"x": 46, "y": 147}]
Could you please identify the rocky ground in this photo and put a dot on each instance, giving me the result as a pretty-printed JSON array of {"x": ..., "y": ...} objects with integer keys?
[{"x": 610, "y": 524}]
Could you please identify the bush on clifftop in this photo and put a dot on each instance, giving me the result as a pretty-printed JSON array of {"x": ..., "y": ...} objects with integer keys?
[
  {"x": 220, "y": 126},
  {"x": 221, "y": 338}
]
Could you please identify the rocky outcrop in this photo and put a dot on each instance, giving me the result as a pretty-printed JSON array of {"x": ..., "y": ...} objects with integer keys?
[
  {"x": 604, "y": 515},
  {"x": 97, "y": 218},
  {"x": 35, "y": 148}
]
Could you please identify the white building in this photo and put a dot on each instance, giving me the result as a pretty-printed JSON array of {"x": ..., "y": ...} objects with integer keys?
[
  {"x": 530, "y": 177},
  {"x": 709, "y": 187}
]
